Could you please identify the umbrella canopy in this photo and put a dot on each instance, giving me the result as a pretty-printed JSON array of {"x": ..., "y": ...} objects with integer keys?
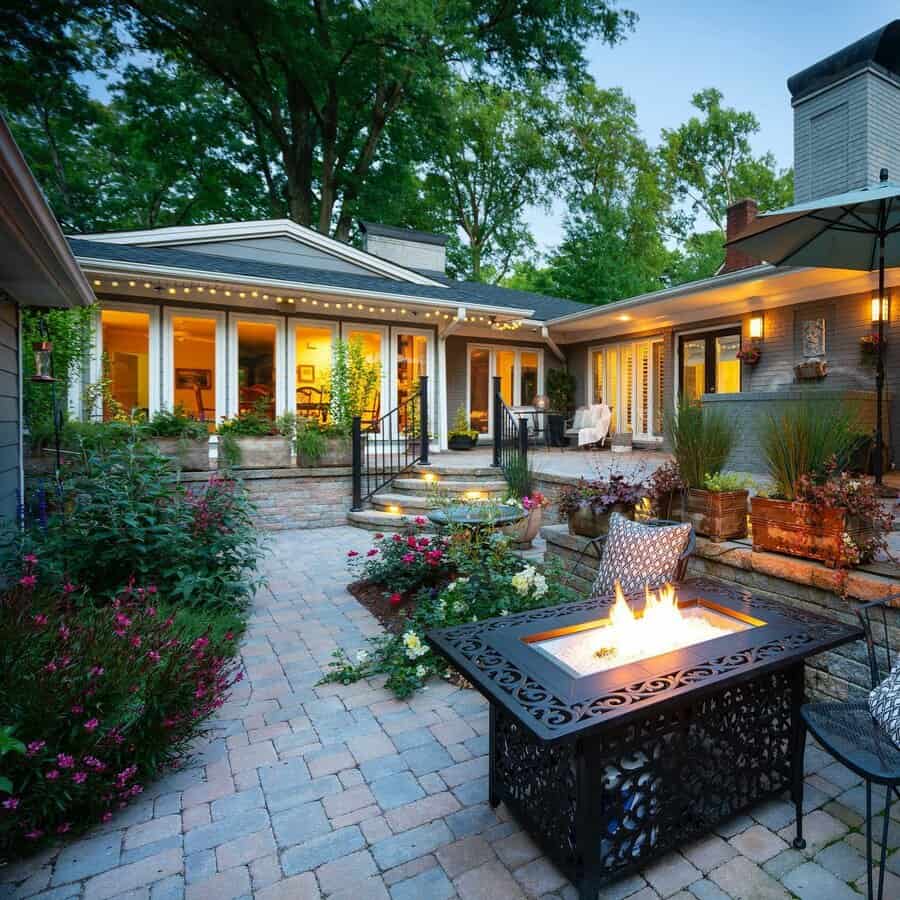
[{"x": 854, "y": 230}]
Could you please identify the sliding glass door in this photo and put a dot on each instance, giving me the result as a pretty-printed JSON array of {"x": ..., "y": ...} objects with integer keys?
[{"x": 521, "y": 373}]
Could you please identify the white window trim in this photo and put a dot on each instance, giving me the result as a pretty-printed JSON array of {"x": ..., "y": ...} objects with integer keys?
[
  {"x": 293, "y": 324},
  {"x": 280, "y": 359},
  {"x": 170, "y": 313},
  {"x": 153, "y": 351}
]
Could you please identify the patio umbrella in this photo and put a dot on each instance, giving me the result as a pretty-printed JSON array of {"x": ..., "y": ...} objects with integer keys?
[{"x": 855, "y": 230}]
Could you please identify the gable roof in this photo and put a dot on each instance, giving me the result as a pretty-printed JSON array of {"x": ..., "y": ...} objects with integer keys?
[{"x": 543, "y": 306}]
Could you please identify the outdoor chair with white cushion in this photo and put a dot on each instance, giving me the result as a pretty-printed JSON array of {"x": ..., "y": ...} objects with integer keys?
[{"x": 591, "y": 424}]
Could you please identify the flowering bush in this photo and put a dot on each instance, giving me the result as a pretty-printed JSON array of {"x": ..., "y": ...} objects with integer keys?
[
  {"x": 661, "y": 487},
  {"x": 492, "y": 581},
  {"x": 535, "y": 500},
  {"x": 404, "y": 563},
  {"x": 100, "y": 698},
  {"x": 125, "y": 516},
  {"x": 601, "y": 495},
  {"x": 869, "y": 345},
  {"x": 750, "y": 355}
]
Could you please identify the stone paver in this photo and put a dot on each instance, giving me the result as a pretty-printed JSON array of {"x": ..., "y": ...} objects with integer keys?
[{"x": 304, "y": 791}]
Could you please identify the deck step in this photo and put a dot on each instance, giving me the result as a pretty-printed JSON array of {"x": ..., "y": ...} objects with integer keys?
[
  {"x": 419, "y": 485},
  {"x": 379, "y": 520},
  {"x": 386, "y": 499},
  {"x": 452, "y": 472}
]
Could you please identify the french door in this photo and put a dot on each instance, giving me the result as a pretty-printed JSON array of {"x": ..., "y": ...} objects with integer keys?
[
  {"x": 709, "y": 363},
  {"x": 521, "y": 373}
]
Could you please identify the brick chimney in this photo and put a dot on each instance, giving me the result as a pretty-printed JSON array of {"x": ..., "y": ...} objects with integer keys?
[{"x": 737, "y": 217}]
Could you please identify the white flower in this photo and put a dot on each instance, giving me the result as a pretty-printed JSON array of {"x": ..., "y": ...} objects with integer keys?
[
  {"x": 414, "y": 646},
  {"x": 421, "y": 671},
  {"x": 459, "y": 607},
  {"x": 540, "y": 585},
  {"x": 461, "y": 581},
  {"x": 362, "y": 656},
  {"x": 504, "y": 612},
  {"x": 520, "y": 583}
]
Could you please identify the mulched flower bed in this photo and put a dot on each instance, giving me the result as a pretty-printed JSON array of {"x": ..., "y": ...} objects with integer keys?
[{"x": 377, "y": 599}]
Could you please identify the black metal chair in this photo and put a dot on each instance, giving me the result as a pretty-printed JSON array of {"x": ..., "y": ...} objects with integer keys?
[
  {"x": 849, "y": 733},
  {"x": 597, "y": 544}
]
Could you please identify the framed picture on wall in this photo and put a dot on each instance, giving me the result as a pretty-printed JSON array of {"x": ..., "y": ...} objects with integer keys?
[
  {"x": 306, "y": 374},
  {"x": 186, "y": 379}
]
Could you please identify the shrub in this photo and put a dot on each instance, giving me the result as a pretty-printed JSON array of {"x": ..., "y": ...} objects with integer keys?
[
  {"x": 723, "y": 482},
  {"x": 560, "y": 385},
  {"x": 124, "y": 516},
  {"x": 661, "y": 488},
  {"x": 701, "y": 441},
  {"x": 461, "y": 426},
  {"x": 492, "y": 581},
  {"x": 175, "y": 423},
  {"x": 803, "y": 438},
  {"x": 103, "y": 698},
  {"x": 601, "y": 495}
]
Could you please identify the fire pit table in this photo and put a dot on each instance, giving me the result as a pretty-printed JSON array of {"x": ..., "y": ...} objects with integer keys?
[{"x": 619, "y": 731}]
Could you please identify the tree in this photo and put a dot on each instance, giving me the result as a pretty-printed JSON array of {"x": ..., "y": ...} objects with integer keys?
[
  {"x": 711, "y": 163},
  {"x": 495, "y": 158},
  {"x": 698, "y": 256},
  {"x": 324, "y": 81}
]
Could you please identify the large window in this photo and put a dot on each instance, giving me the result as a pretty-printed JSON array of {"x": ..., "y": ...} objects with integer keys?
[
  {"x": 371, "y": 342},
  {"x": 521, "y": 378},
  {"x": 627, "y": 377},
  {"x": 479, "y": 389},
  {"x": 710, "y": 364},
  {"x": 412, "y": 364},
  {"x": 126, "y": 361},
  {"x": 313, "y": 348},
  {"x": 528, "y": 377},
  {"x": 194, "y": 367},
  {"x": 256, "y": 366}
]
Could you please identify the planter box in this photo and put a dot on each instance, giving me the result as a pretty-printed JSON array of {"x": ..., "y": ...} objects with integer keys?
[
  {"x": 338, "y": 452},
  {"x": 260, "y": 453},
  {"x": 806, "y": 530},
  {"x": 588, "y": 523},
  {"x": 811, "y": 371},
  {"x": 190, "y": 456},
  {"x": 461, "y": 442},
  {"x": 718, "y": 515}
]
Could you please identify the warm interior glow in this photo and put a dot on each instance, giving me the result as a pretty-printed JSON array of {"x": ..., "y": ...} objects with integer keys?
[
  {"x": 194, "y": 364},
  {"x": 756, "y": 328},
  {"x": 879, "y": 310},
  {"x": 126, "y": 362},
  {"x": 626, "y": 637}
]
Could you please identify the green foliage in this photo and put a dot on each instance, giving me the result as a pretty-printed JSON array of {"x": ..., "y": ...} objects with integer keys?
[
  {"x": 519, "y": 477},
  {"x": 722, "y": 482},
  {"x": 490, "y": 581},
  {"x": 125, "y": 516},
  {"x": 9, "y": 744},
  {"x": 175, "y": 423},
  {"x": 701, "y": 441},
  {"x": 404, "y": 564},
  {"x": 560, "y": 387},
  {"x": 104, "y": 698},
  {"x": 354, "y": 381},
  {"x": 711, "y": 164},
  {"x": 699, "y": 256},
  {"x": 804, "y": 438},
  {"x": 253, "y": 422},
  {"x": 461, "y": 426}
]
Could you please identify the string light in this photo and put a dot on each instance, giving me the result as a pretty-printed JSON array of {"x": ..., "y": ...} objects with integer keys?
[
  {"x": 212, "y": 290},
  {"x": 201, "y": 289},
  {"x": 227, "y": 293},
  {"x": 171, "y": 290},
  {"x": 114, "y": 283},
  {"x": 291, "y": 300},
  {"x": 131, "y": 284},
  {"x": 337, "y": 306},
  {"x": 97, "y": 282},
  {"x": 146, "y": 284}
]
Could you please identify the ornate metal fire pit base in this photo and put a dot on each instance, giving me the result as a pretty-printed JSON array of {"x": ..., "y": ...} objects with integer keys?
[{"x": 608, "y": 771}]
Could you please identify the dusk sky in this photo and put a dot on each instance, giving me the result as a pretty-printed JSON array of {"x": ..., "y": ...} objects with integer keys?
[{"x": 747, "y": 50}]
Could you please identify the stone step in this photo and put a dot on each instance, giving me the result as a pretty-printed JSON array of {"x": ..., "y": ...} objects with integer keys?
[
  {"x": 386, "y": 499},
  {"x": 420, "y": 485},
  {"x": 379, "y": 520},
  {"x": 449, "y": 472}
]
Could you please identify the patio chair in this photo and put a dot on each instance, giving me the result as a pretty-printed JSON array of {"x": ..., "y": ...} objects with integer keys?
[
  {"x": 676, "y": 574},
  {"x": 848, "y": 732},
  {"x": 590, "y": 425}
]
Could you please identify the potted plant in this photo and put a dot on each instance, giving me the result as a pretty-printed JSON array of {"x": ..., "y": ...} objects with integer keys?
[
  {"x": 320, "y": 445},
  {"x": 665, "y": 490},
  {"x": 869, "y": 345},
  {"x": 811, "y": 370},
  {"x": 179, "y": 438},
  {"x": 701, "y": 441},
  {"x": 750, "y": 355},
  {"x": 816, "y": 508},
  {"x": 251, "y": 440},
  {"x": 588, "y": 504},
  {"x": 461, "y": 436},
  {"x": 560, "y": 386}
]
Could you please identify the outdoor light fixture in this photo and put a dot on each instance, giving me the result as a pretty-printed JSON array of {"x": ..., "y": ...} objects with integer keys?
[
  {"x": 879, "y": 309},
  {"x": 393, "y": 508},
  {"x": 43, "y": 361},
  {"x": 430, "y": 477},
  {"x": 756, "y": 328}
]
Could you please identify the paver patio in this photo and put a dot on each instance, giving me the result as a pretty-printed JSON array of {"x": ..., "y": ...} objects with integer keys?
[{"x": 344, "y": 792}]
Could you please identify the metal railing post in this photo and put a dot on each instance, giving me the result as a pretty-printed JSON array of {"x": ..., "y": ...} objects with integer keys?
[
  {"x": 356, "y": 446},
  {"x": 498, "y": 420},
  {"x": 523, "y": 439},
  {"x": 423, "y": 419}
]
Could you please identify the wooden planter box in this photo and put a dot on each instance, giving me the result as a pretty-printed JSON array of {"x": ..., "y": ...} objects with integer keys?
[
  {"x": 806, "y": 530},
  {"x": 260, "y": 453},
  {"x": 190, "y": 456},
  {"x": 338, "y": 452},
  {"x": 718, "y": 515},
  {"x": 588, "y": 523}
]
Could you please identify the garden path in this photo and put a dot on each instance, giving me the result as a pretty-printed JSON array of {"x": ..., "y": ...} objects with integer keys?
[{"x": 344, "y": 792}]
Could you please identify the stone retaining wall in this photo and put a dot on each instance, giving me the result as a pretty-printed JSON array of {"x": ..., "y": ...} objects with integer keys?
[
  {"x": 295, "y": 498},
  {"x": 839, "y": 674}
]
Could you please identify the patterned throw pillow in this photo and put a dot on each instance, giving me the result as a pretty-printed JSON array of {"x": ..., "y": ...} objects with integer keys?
[
  {"x": 884, "y": 703},
  {"x": 636, "y": 555}
]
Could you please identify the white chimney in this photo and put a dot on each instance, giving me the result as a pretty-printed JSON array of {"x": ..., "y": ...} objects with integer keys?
[{"x": 419, "y": 250}]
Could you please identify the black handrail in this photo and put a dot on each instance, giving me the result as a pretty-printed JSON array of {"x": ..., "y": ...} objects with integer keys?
[
  {"x": 510, "y": 432},
  {"x": 391, "y": 445}
]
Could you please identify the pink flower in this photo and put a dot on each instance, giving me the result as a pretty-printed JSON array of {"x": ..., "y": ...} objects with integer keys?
[
  {"x": 64, "y": 632},
  {"x": 96, "y": 671},
  {"x": 35, "y": 747},
  {"x": 151, "y": 588},
  {"x": 378, "y": 535},
  {"x": 408, "y": 557},
  {"x": 52, "y": 775},
  {"x": 372, "y": 552},
  {"x": 69, "y": 588},
  {"x": 200, "y": 644},
  {"x": 352, "y": 553},
  {"x": 77, "y": 710},
  {"x": 106, "y": 816},
  {"x": 411, "y": 542},
  {"x": 397, "y": 538},
  {"x": 64, "y": 761},
  {"x": 136, "y": 641},
  {"x": 40, "y": 620},
  {"x": 395, "y": 599},
  {"x": 11, "y": 804},
  {"x": 62, "y": 829},
  {"x": 28, "y": 581},
  {"x": 420, "y": 520},
  {"x": 122, "y": 620},
  {"x": 79, "y": 777},
  {"x": 30, "y": 558},
  {"x": 34, "y": 835},
  {"x": 91, "y": 724},
  {"x": 153, "y": 656},
  {"x": 51, "y": 667}
]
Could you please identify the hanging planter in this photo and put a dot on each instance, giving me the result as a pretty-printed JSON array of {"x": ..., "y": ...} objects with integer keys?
[
  {"x": 812, "y": 370},
  {"x": 750, "y": 355},
  {"x": 868, "y": 350}
]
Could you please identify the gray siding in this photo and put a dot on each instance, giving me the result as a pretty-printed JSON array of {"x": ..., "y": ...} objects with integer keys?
[
  {"x": 9, "y": 410},
  {"x": 283, "y": 250},
  {"x": 883, "y": 134}
]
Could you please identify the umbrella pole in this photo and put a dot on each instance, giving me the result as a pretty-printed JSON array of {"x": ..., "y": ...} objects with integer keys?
[{"x": 879, "y": 371}]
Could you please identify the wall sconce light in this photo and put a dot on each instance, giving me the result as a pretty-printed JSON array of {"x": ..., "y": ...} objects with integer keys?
[
  {"x": 879, "y": 309},
  {"x": 756, "y": 328}
]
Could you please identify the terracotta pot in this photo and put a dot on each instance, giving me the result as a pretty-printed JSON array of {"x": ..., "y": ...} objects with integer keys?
[
  {"x": 188, "y": 455},
  {"x": 338, "y": 452},
  {"x": 811, "y": 371},
  {"x": 588, "y": 523},
  {"x": 807, "y": 530},
  {"x": 525, "y": 531},
  {"x": 273, "y": 452},
  {"x": 461, "y": 442},
  {"x": 718, "y": 515}
]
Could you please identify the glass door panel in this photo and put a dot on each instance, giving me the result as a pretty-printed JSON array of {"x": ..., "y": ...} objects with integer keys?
[
  {"x": 312, "y": 355},
  {"x": 611, "y": 385},
  {"x": 693, "y": 361},
  {"x": 506, "y": 369},
  {"x": 642, "y": 419},
  {"x": 256, "y": 367},
  {"x": 528, "y": 377},
  {"x": 412, "y": 364},
  {"x": 728, "y": 366},
  {"x": 658, "y": 387},
  {"x": 628, "y": 388},
  {"x": 479, "y": 389},
  {"x": 194, "y": 365},
  {"x": 370, "y": 342},
  {"x": 597, "y": 369},
  {"x": 126, "y": 362}
]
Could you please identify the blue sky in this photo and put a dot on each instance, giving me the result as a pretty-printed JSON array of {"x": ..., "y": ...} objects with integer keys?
[{"x": 747, "y": 50}]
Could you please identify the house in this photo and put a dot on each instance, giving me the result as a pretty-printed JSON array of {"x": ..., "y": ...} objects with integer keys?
[
  {"x": 218, "y": 317},
  {"x": 37, "y": 269}
]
